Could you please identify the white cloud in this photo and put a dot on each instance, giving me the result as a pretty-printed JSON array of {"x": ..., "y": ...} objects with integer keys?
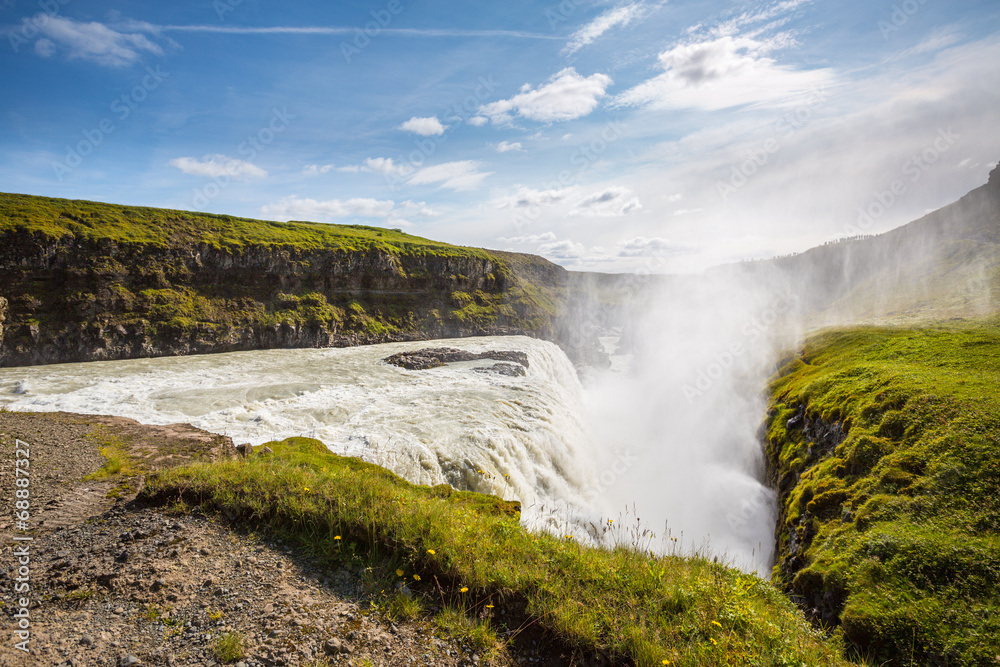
[
  {"x": 675, "y": 197},
  {"x": 547, "y": 237},
  {"x": 687, "y": 211},
  {"x": 316, "y": 169},
  {"x": 214, "y": 166},
  {"x": 641, "y": 246},
  {"x": 506, "y": 146},
  {"x": 567, "y": 95},
  {"x": 46, "y": 48},
  {"x": 723, "y": 72},
  {"x": 477, "y": 121},
  {"x": 294, "y": 208},
  {"x": 92, "y": 41},
  {"x": 562, "y": 250},
  {"x": 425, "y": 127},
  {"x": 391, "y": 213},
  {"x": 527, "y": 197},
  {"x": 379, "y": 165},
  {"x": 610, "y": 202},
  {"x": 619, "y": 16},
  {"x": 461, "y": 175}
]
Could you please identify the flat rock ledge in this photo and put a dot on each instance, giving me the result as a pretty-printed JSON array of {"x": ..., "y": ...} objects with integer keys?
[{"x": 433, "y": 357}]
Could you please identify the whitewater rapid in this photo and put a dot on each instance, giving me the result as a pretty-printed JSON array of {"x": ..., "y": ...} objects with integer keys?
[
  {"x": 576, "y": 455},
  {"x": 523, "y": 438}
]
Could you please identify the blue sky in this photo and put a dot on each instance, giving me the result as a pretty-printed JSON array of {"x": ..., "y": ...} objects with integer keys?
[{"x": 610, "y": 136}]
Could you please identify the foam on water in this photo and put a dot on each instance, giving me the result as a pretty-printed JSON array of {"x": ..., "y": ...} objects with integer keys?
[{"x": 521, "y": 438}]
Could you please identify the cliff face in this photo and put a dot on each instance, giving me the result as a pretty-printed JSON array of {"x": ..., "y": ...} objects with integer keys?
[{"x": 78, "y": 294}]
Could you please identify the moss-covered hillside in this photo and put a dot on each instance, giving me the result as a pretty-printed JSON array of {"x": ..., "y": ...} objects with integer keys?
[
  {"x": 885, "y": 445},
  {"x": 85, "y": 280},
  {"x": 469, "y": 562}
]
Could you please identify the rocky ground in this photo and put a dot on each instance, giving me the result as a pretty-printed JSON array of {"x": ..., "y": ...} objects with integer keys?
[{"x": 114, "y": 583}]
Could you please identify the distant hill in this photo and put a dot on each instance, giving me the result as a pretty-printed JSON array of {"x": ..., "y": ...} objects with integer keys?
[{"x": 946, "y": 264}]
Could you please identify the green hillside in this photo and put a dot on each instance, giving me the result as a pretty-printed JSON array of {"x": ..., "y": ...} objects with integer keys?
[
  {"x": 470, "y": 563},
  {"x": 88, "y": 281},
  {"x": 57, "y": 218},
  {"x": 885, "y": 447}
]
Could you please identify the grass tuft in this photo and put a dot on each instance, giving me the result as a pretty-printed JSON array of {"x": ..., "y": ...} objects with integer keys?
[{"x": 229, "y": 647}]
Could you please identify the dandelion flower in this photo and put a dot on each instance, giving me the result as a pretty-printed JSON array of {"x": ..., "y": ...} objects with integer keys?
[
  {"x": 464, "y": 589},
  {"x": 336, "y": 537},
  {"x": 569, "y": 537},
  {"x": 399, "y": 573},
  {"x": 416, "y": 577},
  {"x": 306, "y": 489},
  {"x": 489, "y": 606},
  {"x": 714, "y": 643},
  {"x": 717, "y": 623},
  {"x": 665, "y": 662},
  {"x": 431, "y": 551}
]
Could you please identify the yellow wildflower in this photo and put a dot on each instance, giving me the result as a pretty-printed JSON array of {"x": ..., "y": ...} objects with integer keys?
[
  {"x": 416, "y": 577},
  {"x": 431, "y": 551},
  {"x": 399, "y": 573},
  {"x": 464, "y": 590},
  {"x": 336, "y": 537}
]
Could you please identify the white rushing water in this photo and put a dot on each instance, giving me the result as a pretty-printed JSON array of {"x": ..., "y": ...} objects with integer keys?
[
  {"x": 574, "y": 457},
  {"x": 520, "y": 438}
]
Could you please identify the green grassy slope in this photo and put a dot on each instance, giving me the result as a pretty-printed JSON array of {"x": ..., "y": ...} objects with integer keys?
[
  {"x": 895, "y": 530},
  {"x": 622, "y": 602},
  {"x": 56, "y": 218},
  {"x": 86, "y": 280}
]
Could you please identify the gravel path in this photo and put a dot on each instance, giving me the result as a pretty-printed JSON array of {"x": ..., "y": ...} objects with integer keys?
[{"x": 114, "y": 583}]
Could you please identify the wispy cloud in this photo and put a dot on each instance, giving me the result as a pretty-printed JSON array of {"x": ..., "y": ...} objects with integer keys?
[
  {"x": 566, "y": 96},
  {"x": 619, "y": 16},
  {"x": 330, "y": 210},
  {"x": 509, "y": 146},
  {"x": 728, "y": 65},
  {"x": 460, "y": 175},
  {"x": 214, "y": 166},
  {"x": 317, "y": 169},
  {"x": 641, "y": 246},
  {"x": 611, "y": 202},
  {"x": 351, "y": 30},
  {"x": 92, "y": 41},
  {"x": 722, "y": 73},
  {"x": 528, "y": 197},
  {"x": 546, "y": 237}
]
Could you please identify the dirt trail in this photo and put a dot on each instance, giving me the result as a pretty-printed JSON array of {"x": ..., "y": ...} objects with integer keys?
[{"x": 114, "y": 583}]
